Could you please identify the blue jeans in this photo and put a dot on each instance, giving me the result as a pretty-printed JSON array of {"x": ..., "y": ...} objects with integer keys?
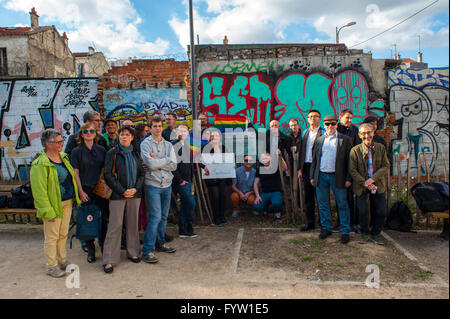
[
  {"x": 274, "y": 198},
  {"x": 187, "y": 204},
  {"x": 158, "y": 205},
  {"x": 322, "y": 192}
]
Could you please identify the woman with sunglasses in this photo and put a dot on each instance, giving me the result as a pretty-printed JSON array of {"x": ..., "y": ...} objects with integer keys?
[
  {"x": 88, "y": 159},
  {"x": 54, "y": 191}
]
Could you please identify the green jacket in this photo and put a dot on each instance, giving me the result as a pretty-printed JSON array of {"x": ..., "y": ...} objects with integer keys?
[
  {"x": 45, "y": 186},
  {"x": 358, "y": 167}
]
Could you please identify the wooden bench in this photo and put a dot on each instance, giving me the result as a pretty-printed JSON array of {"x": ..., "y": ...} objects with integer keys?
[
  {"x": 443, "y": 214},
  {"x": 18, "y": 211}
]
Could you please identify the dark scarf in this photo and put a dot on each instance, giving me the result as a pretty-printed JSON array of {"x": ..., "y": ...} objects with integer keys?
[{"x": 130, "y": 163}]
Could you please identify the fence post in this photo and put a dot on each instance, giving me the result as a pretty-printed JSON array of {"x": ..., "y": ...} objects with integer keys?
[
  {"x": 408, "y": 176},
  {"x": 399, "y": 177}
]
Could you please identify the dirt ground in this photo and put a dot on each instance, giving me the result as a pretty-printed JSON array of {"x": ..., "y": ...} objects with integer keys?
[{"x": 251, "y": 257}]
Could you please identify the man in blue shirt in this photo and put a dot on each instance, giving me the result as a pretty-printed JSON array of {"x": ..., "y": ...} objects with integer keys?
[{"x": 243, "y": 186}]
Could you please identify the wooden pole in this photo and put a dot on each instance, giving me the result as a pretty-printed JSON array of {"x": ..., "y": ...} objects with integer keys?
[
  {"x": 408, "y": 177},
  {"x": 11, "y": 181},
  {"x": 283, "y": 185},
  {"x": 295, "y": 186},
  {"x": 445, "y": 168},
  {"x": 291, "y": 183},
  {"x": 202, "y": 193},
  {"x": 428, "y": 180},
  {"x": 16, "y": 170},
  {"x": 388, "y": 193},
  {"x": 26, "y": 169},
  {"x": 199, "y": 202},
  {"x": 399, "y": 178},
  {"x": 427, "y": 171},
  {"x": 419, "y": 168}
]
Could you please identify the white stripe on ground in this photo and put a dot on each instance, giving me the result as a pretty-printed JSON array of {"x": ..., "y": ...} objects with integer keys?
[
  {"x": 237, "y": 250},
  {"x": 411, "y": 257},
  {"x": 347, "y": 283}
]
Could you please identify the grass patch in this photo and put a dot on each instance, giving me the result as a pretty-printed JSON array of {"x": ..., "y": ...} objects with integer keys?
[
  {"x": 301, "y": 241},
  {"x": 424, "y": 274},
  {"x": 339, "y": 265},
  {"x": 351, "y": 262},
  {"x": 307, "y": 258},
  {"x": 346, "y": 256}
]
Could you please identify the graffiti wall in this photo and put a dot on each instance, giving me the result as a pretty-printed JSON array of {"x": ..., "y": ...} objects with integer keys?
[
  {"x": 419, "y": 100},
  {"x": 28, "y": 107},
  {"x": 263, "y": 96},
  {"x": 140, "y": 104}
]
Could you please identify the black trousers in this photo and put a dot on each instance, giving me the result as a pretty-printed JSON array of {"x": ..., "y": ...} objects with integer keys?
[
  {"x": 378, "y": 212},
  {"x": 217, "y": 197},
  {"x": 310, "y": 195}
]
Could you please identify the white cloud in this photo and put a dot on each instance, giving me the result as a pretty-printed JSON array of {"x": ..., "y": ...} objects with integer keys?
[
  {"x": 112, "y": 25},
  {"x": 249, "y": 21}
]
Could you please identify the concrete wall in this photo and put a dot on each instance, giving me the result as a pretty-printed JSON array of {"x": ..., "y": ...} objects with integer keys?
[
  {"x": 144, "y": 88},
  {"x": 418, "y": 100},
  {"x": 28, "y": 107},
  {"x": 50, "y": 56},
  {"x": 95, "y": 65},
  {"x": 17, "y": 54},
  {"x": 265, "y": 82}
]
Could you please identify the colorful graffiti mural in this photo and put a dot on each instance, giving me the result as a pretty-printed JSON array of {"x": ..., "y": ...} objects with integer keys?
[
  {"x": 140, "y": 104},
  {"x": 262, "y": 97},
  {"x": 418, "y": 77},
  {"x": 422, "y": 118},
  {"x": 28, "y": 107}
]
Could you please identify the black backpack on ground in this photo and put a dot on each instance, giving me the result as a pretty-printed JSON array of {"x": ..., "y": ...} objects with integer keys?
[
  {"x": 21, "y": 197},
  {"x": 431, "y": 197},
  {"x": 400, "y": 218}
]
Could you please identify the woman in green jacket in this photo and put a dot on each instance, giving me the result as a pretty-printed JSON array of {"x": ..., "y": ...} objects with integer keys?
[{"x": 54, "y": 189}]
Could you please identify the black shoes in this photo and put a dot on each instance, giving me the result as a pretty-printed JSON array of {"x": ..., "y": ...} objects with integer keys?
[
  {"x": 84, "y": 246},
  {"x": 345, "y": 238},
  {"x": 91, "y": 251},
  {"x": 324, "y": 234},
  {"x": 187, "y": 231},
  {"x": 135, "y": 260},
  {"x": 108, "y": 270}
]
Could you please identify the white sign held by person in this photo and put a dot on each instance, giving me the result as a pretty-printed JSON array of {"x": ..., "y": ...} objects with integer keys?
[{"x": 220, "y": 165}]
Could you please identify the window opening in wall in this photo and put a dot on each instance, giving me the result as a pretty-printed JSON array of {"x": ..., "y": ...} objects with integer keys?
[
  {"x": 3, "y": 62},
  {"x": 80, "y": 70}
]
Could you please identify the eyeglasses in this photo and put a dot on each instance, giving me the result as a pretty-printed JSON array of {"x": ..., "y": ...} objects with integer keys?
[
  {"x": 91, "y": 131},
  {"x": 330, "y": 123},
  {"x": 57, "y": 142}
]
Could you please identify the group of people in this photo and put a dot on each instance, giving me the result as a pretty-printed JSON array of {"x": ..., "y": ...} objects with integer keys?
[
  {"x": 145, "y": 166},
  {"x": 352, "y": 162}
]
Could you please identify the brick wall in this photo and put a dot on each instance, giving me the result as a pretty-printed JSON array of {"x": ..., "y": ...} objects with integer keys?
[{"x": 148, "y": 85}]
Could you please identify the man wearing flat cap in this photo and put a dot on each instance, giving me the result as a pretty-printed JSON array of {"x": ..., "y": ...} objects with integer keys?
[{"x": 329, "y": 168}]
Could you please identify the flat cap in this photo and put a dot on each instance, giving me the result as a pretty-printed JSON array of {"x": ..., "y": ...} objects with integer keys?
[{"x": 330, "y": 118}]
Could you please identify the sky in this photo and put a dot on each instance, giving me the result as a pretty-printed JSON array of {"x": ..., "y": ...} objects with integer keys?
[{"x": 160, "y": 28}]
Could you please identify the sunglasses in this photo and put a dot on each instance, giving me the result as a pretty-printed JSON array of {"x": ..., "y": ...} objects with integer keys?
[
  {"x": 330, "y": 123},
  {"x": 91, "y": 131}
]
